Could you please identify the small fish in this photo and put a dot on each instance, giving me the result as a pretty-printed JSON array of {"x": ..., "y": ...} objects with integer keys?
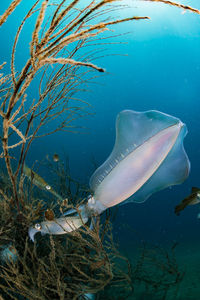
[
  {"x": 39, "y": 181},
  {"x": 60, "y": 225},
  {"x": 56, "y": 157},
  {"x": 192, "y": 199}
]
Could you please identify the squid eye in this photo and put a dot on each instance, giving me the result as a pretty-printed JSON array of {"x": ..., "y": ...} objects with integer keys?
[
  {"x": 38, "y": 226},
  {"x": 48, "y": 187}
]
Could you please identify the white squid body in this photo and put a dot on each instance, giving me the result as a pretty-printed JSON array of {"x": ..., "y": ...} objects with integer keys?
[{"x": 148, "y": 156}]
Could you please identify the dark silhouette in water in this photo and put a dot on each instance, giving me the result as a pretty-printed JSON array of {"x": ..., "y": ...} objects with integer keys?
[{"x": 192, "y": 199}]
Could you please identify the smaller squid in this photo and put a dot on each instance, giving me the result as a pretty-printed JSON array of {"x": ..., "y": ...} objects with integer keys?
[
  {"x": 60, "y": 225},
  {"x": 192, "y": 199}
]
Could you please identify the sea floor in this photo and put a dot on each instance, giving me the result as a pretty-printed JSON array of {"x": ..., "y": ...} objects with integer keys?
[
  {"x": 188, "y": 256},
  {"x": 188, "y": 260},
  {"x": 160, "y": 283}
]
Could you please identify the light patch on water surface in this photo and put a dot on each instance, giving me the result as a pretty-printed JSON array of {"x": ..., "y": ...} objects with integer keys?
[{"x": 165, "y": 19}]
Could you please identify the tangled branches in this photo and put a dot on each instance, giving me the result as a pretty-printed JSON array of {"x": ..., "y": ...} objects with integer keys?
[
  {"x": 59, "y": 33},
  {"x": 185, "y": 7},
  {"x": 56, "y": 267},
  {"x": 157, "y": 272},
  {"x": 10, "y": 9}
]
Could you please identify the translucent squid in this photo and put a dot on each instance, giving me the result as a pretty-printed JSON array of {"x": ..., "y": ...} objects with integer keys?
[
  {"x": 39, "y": 181},
  {"x": 148, "y": 156}
]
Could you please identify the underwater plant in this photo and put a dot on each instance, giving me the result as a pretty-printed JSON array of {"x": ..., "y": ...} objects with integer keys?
[
  {"x": 60, "y": 32},
  {"x": 61, "y": 268},
  {"x": 57, "y": 38},
  {"x": 156, "y": 272}
]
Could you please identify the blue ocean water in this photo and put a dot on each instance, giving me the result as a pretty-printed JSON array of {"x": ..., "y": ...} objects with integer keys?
[{"x": 158, "y": 67}]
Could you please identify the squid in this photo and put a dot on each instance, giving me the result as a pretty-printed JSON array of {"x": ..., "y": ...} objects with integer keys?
[{"x": 148, "y": 156}]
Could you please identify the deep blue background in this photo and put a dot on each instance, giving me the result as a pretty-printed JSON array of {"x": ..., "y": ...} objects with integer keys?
[{"x": 162, "y": 72}]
